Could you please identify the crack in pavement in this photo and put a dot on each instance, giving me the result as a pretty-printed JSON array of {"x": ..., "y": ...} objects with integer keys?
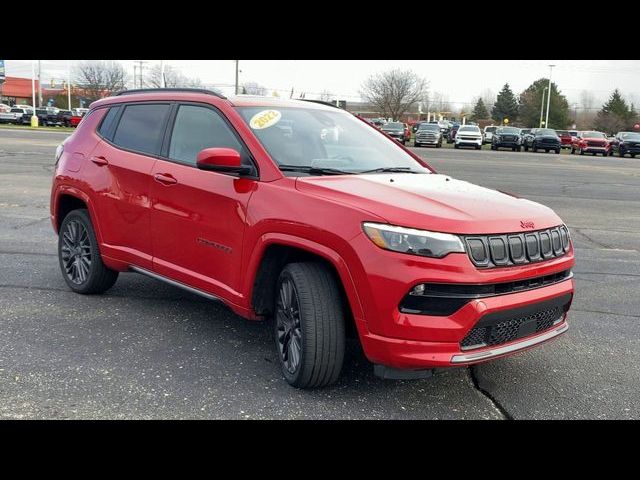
[
  {"x": 494, "y": 401},
  {"x": 591, "y": 240},
  {"x": 605, "y": 313}
]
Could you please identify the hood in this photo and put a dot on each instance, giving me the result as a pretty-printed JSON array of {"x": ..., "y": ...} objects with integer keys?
[{"x": 432, "y": 202}]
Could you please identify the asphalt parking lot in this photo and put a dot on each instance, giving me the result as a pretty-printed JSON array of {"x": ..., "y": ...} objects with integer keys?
[{"x": 148, "y": 350}]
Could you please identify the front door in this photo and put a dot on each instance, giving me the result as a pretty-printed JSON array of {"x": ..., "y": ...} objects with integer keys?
[{"x": 198, "y": 217}]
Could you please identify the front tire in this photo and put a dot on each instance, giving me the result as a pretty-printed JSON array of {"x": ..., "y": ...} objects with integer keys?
[
  {"x": 79, "y": 256},
  {"x": 309, "y": 325},
  {"x": 534, "y": 147}
]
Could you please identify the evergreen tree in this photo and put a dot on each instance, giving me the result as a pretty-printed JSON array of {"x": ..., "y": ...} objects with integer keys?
[
  {"x": 506, "y": 105},
  {"x": 480, "y": 112},
  {"x": 615, "y": 115},
  {"x": 531, "y": 101}
]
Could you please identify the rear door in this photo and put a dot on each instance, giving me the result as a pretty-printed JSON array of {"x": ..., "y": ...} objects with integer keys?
[
  {"x": 121, "y": 167},
  {"x": 198, "y": 217}
]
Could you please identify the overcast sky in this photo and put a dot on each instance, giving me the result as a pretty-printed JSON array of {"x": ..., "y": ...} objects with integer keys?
[{"x": 460, "y": 80}]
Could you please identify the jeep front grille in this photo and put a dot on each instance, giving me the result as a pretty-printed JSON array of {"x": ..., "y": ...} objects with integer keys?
[{"x": 490, "y": 251}]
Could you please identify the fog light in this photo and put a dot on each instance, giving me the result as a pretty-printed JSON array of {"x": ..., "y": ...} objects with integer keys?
[{"x": 418, "y": 290}]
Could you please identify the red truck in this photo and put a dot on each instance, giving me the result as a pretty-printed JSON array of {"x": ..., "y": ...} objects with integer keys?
[
  {"x": 566, "y": 139},
  {"x": 303, "y": 215},
  {"x": 591, "y": 142}
]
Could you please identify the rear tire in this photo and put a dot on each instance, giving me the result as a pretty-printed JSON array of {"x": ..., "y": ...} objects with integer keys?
[
  {"x": 309, "y": 325},
  {"x": 534, "y": 147},
  {"x": 455, "y": 145},
  {"x": 79, "y": 256},
  {"x": 416, "y": 144},
  {"x": 557, "y": 151}
]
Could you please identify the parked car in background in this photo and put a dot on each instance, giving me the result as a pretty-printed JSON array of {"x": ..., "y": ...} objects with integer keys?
[
  {"x": 452, "y": 134},
  {"x": 566, "y": 139},
  {"x": 506, "y": 137},
  {"x": 487, "y": 133},
  {"x": 15, "y": 115},
  {"x": 4, "y": 108},
  {"x": 590, "y": 142},
  {"x": 70, "y": 118},
  {"x": 468, "y": 136},
  {"x": 395, "y": 130},
  {"x": 428, "y": 134},
  {"x": 573, "y": 133},
  {"x": 407, "y": 132},
  {"x": 542, "y": 139},
  {"x": 625, "y": 143},
  {"x": 415, "y": 126}
]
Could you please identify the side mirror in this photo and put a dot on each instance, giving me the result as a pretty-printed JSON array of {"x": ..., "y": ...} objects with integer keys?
[{"x": 224, "y": 160}]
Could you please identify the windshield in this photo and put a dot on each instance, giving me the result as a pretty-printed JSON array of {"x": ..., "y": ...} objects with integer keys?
[
  {"x": 394, "y": 126},
  {"x": 546, "y": 131},
  {"x": 593, "y": 135},
  {"x": 468, "y": 129},
  {"x": 429, "y": 126},
  {"x": 507, "y": 130},
  {"x": 562, "y": 132},
  {"x": 324, "y": 139},
  {"x": 631, "y": 136},
  {"x": 490, "y": 129}
]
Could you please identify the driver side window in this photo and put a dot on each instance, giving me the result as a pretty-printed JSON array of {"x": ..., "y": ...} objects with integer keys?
[{"x": 196, "y": 128}]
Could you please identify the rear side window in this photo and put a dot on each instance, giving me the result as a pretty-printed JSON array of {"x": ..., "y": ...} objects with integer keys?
[
  {"x": 106, "y": 127},
  {"x": 197, "y": 128},
  {"x": 141, "y": 128}
]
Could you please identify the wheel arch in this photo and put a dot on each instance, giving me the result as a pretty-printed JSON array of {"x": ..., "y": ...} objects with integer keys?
[
  {"x": 277, "y": 250},
  {"x": 68, "y": 199}
]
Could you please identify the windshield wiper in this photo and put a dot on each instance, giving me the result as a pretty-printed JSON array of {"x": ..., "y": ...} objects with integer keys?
[
  {"x": 392, "y": 170},
  {"x": 310, "y": 169}
]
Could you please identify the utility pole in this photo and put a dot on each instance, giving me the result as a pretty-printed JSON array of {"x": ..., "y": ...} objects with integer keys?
[
  {"x": 140, "y": 68},
  {"x": 542, "y": 107},
  {"x": 69, "y": 83},
  {"x": 162, "y": 85},
  {"x": 40, "y": 83},
  {"x": 546, "y": 122},
  {"x": 237, "y": 71}
]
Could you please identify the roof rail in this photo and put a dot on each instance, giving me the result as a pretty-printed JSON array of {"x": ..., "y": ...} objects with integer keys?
[
  {"x": 321, "y": 102},
  {"x": 156, "y": 90}
]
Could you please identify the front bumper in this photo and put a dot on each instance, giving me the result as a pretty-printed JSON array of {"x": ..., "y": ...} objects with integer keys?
[
  {"x": 414, "y": 341},
  {"x": 468, "y": 141},
  {"x": 594, "y": 149}
]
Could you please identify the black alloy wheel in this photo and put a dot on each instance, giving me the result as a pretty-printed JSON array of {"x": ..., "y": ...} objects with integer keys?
[
  {"x": 76, "y": 252},
  {"x": 79, "y": 256},
  {"x": 288, "y": 330}
]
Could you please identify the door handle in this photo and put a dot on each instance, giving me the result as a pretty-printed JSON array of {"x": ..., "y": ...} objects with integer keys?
[
  {"x": 165, "y": 179},
  {"x": 100, "y": 161}
]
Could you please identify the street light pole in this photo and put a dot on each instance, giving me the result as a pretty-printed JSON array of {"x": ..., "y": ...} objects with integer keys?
[
  {"x": 162, "y": 84},
  {"x": 34, "y": 117},
  {"x": 546, "y": 122},
  {"x": 237, "y": 62},
  {"x": 542, "y": 107}
]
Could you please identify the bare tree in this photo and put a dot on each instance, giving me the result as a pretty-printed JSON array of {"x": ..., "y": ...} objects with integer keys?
[
  {"x": 488, "y": 98},
  {"x": 393, "y": 92},
  {"x": 173, "y": 78},
  {"x": 440, "y": 103},
  {"x": 254, "y": 88},
  {"x": 98, "y": 79},
  {"x": 587, "y": 100},
  {"x": 327, "y": 96}
]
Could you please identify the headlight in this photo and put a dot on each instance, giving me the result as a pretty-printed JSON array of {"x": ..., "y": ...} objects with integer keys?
[{"x": 414, "y": 242}]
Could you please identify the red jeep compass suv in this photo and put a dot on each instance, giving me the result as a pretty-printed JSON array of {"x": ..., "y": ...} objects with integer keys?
[{"x": 302, "y": 213}]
